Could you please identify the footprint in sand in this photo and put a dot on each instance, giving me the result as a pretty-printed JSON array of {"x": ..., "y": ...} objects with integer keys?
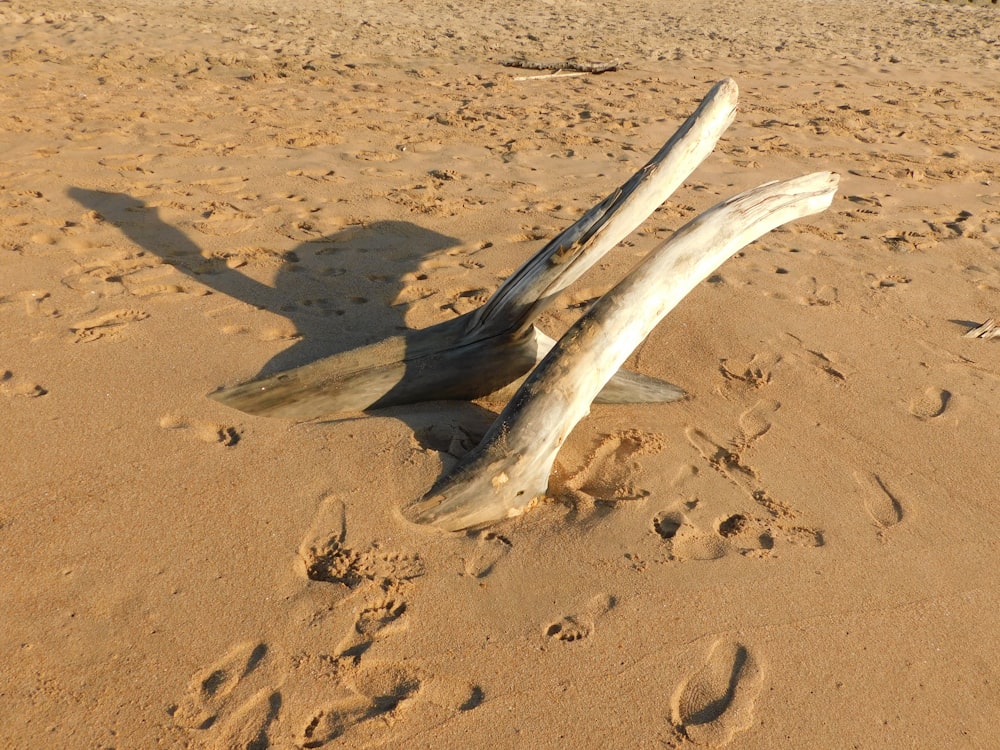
[
  {"x": 756, "y": 421},
  {"x": 230, "y": 184},
  {"x": 687, "y": 542},
  {"x": 579, "y": 626},
  {"x": 746, "y": 533},
  {"x": 341, "y": 712},
  {"x": 223, "y": 220},
  {"x": 756, "y": 373},
  {"x": 210, "y": 687},
  {"x": 365, "y": 701},
  {"x": 931, "y": 403},
  {"x": 108, "y": 326},
  {"x": 812, "y": 294},
  {"x": 739, "y": 533},
  {"x": 364, "y": 708},
  {"x": 39, "y": 303},
  {"x": 247, "y": 727},
  {"x": 13, "y": 387},
  {"x": 358, "y": 703},
  {"x": 375, "y": 621},
  {"x": 666, "y": 525},
  {"x": 730, "y": 464},
  {"x": 324, "y": 556},
  {"x": 881, "y": 505},
  {"x": 490, "y": 549},
  {"x": 716, "y": 701},
  {"x": 738, "y": 530},
  {"x": 826, "y": 364},
  {"x": 207, "y": 432},
  {"x": 609, "y": 473},
  {"x": 682, "y": 538},
  {"x": 98, "y": 281}
]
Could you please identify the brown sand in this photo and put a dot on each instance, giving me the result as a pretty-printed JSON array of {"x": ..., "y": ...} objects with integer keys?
[{"x": 803, "y": 554}]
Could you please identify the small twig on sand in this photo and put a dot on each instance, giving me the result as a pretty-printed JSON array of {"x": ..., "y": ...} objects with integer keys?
[
  {"x": 557, "y": 74},
  {"x": 560, "y": 67}
]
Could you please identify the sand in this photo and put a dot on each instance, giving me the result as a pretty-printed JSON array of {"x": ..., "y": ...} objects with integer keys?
[{"x": 801, "y": 554}]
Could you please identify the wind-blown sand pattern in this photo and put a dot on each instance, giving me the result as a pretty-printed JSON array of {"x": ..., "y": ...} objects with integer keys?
[{"x": 801, "y": 554}]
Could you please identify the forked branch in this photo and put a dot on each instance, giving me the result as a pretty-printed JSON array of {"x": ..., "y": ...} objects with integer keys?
[
  {"x": 510, "y": 468},
  {"x": 485, "y": 353}
]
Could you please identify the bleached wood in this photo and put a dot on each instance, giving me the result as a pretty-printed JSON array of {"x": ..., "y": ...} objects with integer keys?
[
  {"x": 557, "y": 74},
  {"x": 486, "y": 352},
  {"x": 432, "y": 364},
  {"x": 582, "y": 68},
  {"x": 436, "y": 363},
  {"x": 510, "y": 468},
  {"x": 988, "y": 330},
  {"x": 529, "y": 290}
]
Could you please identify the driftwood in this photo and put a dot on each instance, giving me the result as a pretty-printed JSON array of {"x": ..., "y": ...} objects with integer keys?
[
  {"x": 489, "y": 351},
  {"x": 486, "y": 352},
  {"x": 988, "y": 330},
  {"x": 565, "y": 65},
  {"x": 556, "y": 74},
  {"x": 510, "y": 468}
]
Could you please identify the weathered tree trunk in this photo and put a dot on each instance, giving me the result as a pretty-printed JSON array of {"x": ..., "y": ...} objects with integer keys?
[
  {"x": 488, "y": 351},
  {"x": 510, "y": 468},
  {"x": 534, "y": 286}
]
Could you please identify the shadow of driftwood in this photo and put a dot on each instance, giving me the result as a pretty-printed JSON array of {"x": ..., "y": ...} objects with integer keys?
[{"x": 337, "y": 290}]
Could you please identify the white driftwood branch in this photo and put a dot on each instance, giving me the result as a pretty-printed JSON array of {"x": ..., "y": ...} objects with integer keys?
[
  {"x": 557, "y": 74},
  {"x": 988, "y": 330},
  {"x": 578, "y": 67},
  {"x": 523, "y": 296},
  {"x": 485, "y": 353},
  {"x": 510, "y": 468}
]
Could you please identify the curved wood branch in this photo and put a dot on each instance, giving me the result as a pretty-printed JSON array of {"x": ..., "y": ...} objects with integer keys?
[
  {"x": 529, "y": 290},
  {"x": 510, "y": 468},
  {"x": 486, "y": 353}
]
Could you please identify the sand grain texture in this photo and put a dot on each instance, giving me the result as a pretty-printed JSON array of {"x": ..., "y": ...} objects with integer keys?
[{"x": 802, "y": 554}]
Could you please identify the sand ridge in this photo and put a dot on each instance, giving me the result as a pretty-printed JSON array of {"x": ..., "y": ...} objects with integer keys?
[{"x": 801, "y": 553}]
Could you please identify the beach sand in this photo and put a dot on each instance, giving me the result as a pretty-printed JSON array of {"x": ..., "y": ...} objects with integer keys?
[{"x": 803, "y": 553}]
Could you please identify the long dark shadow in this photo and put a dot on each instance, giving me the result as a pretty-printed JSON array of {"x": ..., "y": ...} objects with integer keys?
[{"x": 336, "y": 290}]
